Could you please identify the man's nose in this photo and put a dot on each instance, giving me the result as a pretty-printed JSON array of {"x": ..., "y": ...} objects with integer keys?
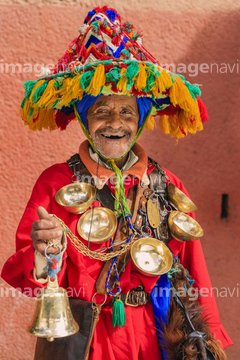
[{"x": 115, "y": 121}]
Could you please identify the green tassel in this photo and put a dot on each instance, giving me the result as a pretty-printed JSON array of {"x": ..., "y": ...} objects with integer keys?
[
  {"x": 118, "y": 316},
  {"x": 132, "y": 71},
  {"x": 28, "y": 85},
  {"x": 86, "y": 78},
  {"x": 39, "y": 91},
  {"x": 113, "y": 75}
]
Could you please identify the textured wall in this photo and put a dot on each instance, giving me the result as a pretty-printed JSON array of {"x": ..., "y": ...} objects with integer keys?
[{"x": 175, "y": 32}]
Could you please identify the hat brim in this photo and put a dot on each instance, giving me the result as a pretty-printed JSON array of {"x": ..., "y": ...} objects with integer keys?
[{"x": 175, "y": 100}]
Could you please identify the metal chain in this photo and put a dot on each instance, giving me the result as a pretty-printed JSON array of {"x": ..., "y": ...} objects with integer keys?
[{"x": 83, "y": 249}]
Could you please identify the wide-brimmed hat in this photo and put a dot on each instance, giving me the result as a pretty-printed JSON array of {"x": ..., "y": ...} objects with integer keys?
[{"x": 108, "y": 58}]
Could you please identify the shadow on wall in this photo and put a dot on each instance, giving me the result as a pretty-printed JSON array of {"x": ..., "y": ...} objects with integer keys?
[
  {"x": 207, "y": 162},
  {"x": 218, "y": 47}
]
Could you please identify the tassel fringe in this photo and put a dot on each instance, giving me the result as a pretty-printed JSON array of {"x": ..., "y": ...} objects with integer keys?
[{"x": 131, "y": 78}]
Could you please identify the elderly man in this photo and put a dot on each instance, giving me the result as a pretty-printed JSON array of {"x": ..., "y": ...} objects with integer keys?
[{"x": 114, "y": 87}]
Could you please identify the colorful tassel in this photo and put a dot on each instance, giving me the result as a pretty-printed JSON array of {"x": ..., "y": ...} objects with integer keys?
[
  {"x": 141, "y": 78},
  {"x": 97, "y": 82},
  {"x": 150, "y": 125},
  {"x": 122, "y": 84},
  {"x": 118, "y": 316}
]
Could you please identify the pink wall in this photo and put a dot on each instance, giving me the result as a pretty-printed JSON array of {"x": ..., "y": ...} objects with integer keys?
[{"x": 206, "y": 163}]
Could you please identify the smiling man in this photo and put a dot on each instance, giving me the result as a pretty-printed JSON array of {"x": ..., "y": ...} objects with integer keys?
[
  {"x": 113, "y": 124},
  {"x": 114, "y": 88}
]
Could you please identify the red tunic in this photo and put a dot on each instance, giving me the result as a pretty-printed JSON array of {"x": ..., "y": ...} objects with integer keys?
[{"x": 137, "y": 339}]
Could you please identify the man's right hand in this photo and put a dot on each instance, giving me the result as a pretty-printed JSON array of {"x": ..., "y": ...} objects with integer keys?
[{"x": 45, "y": 229}]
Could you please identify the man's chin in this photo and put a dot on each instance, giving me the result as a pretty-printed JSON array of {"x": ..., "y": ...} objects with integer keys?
[{"x": 112, "y": 152}]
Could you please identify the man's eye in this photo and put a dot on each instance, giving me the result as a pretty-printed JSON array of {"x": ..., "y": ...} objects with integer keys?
[{"x": 101, "y": 111}]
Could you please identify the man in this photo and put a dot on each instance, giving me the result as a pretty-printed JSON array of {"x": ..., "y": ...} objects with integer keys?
[{"x": 114, "y": 87}]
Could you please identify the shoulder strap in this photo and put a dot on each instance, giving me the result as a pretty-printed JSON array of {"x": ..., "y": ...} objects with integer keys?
[
  {"x": 157, "y": 184},
  {"x": 104, "y": 195}
]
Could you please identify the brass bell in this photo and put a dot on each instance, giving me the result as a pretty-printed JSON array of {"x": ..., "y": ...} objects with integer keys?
[
  {"x": 179, "y": 200},
  {"x": 98, "y": 224},
  {"x": 151, "y": 256},
  {"x": 183, "y": 227},
  {"x": 76, "y": 198},
  {"x": 52, "y": 317}
]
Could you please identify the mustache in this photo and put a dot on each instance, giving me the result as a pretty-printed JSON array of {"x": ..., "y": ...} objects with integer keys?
[{"x": 111, "y": 131}]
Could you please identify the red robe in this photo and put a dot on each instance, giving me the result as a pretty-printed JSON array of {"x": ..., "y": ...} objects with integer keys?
[{"x": 137, "y": 340}]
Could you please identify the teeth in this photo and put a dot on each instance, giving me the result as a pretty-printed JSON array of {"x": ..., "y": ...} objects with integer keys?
[{"x": 115, "y": 136}]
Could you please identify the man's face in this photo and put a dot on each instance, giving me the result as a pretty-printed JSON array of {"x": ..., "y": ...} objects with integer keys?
[{"x": 113, "y": 124}]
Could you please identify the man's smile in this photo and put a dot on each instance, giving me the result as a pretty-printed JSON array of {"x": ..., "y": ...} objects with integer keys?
[{"x": 113, "y": 136}]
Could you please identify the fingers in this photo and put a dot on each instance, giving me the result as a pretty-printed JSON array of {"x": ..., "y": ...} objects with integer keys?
[
  {"x": 47, "y": 234},
  {"x": 46, "y": 218},
  {"x": 43, "y": 214},
  {"x": 40, "y": 246},
  {"x": 45, "y": 229}
]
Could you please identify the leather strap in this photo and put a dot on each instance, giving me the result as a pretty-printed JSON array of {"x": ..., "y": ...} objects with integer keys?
[
  {"x": 96, "y": 314},
  {"x": 122, "y": 259},
  {"x": 104, "y": 196},
  {"x": 157, "y": 180}
]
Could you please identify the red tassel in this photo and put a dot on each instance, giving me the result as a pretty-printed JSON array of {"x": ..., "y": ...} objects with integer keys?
[
  {"x": 203, "y": 110},
  {"x": 116, "y": 40},
  {"x": 62, "y": 120}
]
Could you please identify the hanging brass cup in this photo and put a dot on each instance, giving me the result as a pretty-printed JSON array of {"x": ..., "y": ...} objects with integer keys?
[
  {"x": 183, "y": 227},
  {"x": 52, "y": 317},
  {"x": 151, "y": 256},
  {"x": 179, "y": 200},
  {"x": 76, "y": 198},
  {"x": 97, "y": 225}
]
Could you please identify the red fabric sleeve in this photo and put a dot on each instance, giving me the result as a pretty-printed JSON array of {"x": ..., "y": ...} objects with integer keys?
[
  {"x": 192, "y": 258},
  {"x": 18, "y": 269}
]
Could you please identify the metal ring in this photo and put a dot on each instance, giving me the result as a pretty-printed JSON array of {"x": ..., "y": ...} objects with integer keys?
[
  {"x": 104, "y": 299},
  {"x": 154, "y": 195},
  {"x": 50, "y": 245},
  {"x": 145, "y": 232}
]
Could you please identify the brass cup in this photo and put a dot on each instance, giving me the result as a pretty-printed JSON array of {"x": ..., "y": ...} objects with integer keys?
[
  {"x": 151, "y": 256},
  {"x": 76, "y": 198},
  {"x": 179, "y": 200},
  {"x": 100, "y": 222},
  {"x": 183, "y": 227}
]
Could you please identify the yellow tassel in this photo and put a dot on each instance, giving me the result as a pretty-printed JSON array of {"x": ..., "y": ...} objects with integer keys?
[
  {"x": 45, "y": 120},
  {"x": 24, "y": 112},
  {"x": 180, "y": 95},
  {"x": 150, "y": 123},
  {"x": 39, "y": 83},
  {"x": 71, "y": 90},
  {"x": 49, "y": 96},
  {"x": 76, "y": 88},
  {"x": 164, "y": 124},
  {"x": 30, "y": 122},
  {"x": 122, "y": 84},
  {"x": 141, "y": 78},
  {"x": 162, "y": 83},
  {"x": 98, "y": 80}
]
